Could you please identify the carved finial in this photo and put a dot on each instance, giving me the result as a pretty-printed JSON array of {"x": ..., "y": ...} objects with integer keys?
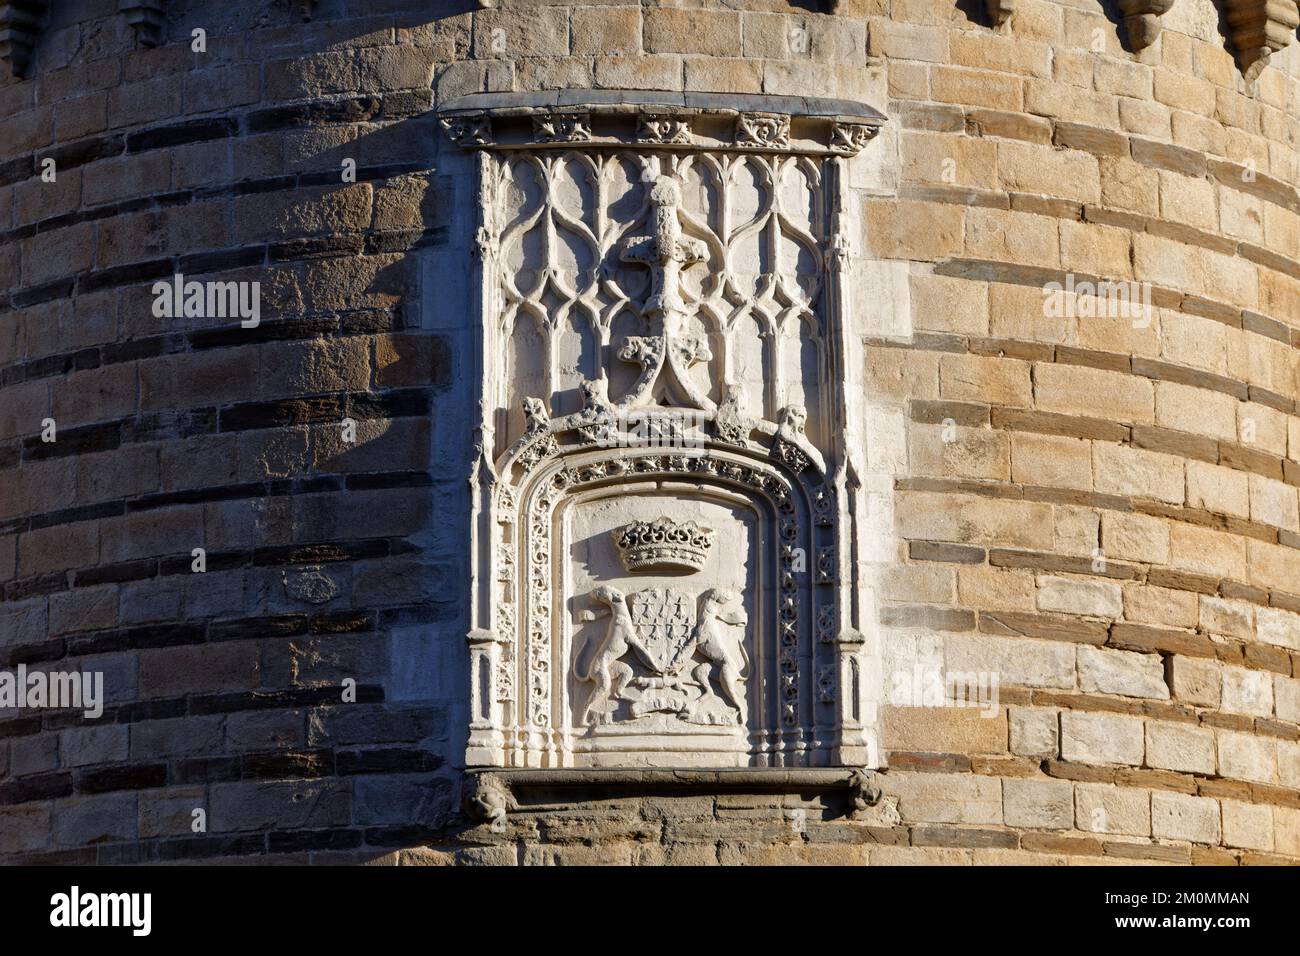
[
  {"x": 146, "y": 18},
  {"x": 1259, "y": 28},
  {"x": 663, "y": 545},
  {"x": 20, "y": 23}
]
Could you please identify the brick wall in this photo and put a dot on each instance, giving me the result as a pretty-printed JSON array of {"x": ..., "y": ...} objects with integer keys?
[{"x": 1104, "y": 515}]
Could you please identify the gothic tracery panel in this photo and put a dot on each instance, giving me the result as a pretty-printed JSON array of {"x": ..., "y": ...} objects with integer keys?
[{"x": 666, "y": 500}]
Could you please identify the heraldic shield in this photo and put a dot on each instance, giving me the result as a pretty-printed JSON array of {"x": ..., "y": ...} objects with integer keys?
[{"x": 664, "y": 623}]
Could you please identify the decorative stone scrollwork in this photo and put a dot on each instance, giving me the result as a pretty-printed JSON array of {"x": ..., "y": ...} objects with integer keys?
[
  {"x": 662, "y": 128},
  {"x": 562, "y": 128},
  {"x": 469, "y": 129},
  {"x": 851, "y": 138},
  {"x": 685, "y": 120},
  {"x": 764, "y": 132}
]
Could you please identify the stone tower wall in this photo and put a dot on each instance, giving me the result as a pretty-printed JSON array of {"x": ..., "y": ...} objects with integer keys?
[{"x": 1099, "y": 510}]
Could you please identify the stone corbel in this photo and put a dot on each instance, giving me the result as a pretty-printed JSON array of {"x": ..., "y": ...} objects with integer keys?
[
  {"x": 1258, "y": 29},
  {"x": 146, "y": 18},
  {"x": 20, "y": 24},
  {"x": 1142, "y": 21},
  {"x": 1000, "y": 11}
]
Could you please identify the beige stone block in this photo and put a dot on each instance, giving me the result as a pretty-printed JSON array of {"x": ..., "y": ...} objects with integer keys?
[
  {"x": 1288, "y": 763},
  {"x": 1194, "y": 341},
  {"x": 606, "y": 30},
  {"x": 1274, "y": 503},
  {"x": 1187, "y": 200},
  {"x": 1041, "y": 804},
  {"x": 1003, "y": 589},
  {"x": 1166, "y": 262},
  {"x": 944, "y": 798},
  {"x": 1035, "y": 732},
  {"x": 1021, "y": 312},
  {"x": 1247, "y": 825},
  {"x": 907, "y": 41},
  {"x": 1144, "y": 118},
  {"x": 1005, "y": 236},
  {"x": 1079, "y": 595},
  {"x": 723, "y": 76},
  {"x": 1096, "y": 250},
  {"x": 715, "y": 32},
  {"x": 1077, "y": 530},
  {"x": 948, "y": 304},
  {"x": 1241, "y": 214},
  {"x": 1127, "y": 536},
  {"x": 1247, "y": 691},
  {"x": 1022, "y": 662},
  {"x": 1103, "y": 808},
  {"x": 1196, "y": 410},
  {"x": 1129, "y": 186},
  {"x": 1286, "y": 698},
  {"x": 1076, "y": 390},
  {"x": 1207, "y": 551},
  {"x": 1196, "y": 680},
  {"x": 1244, "y": 756},
  {"x": 949, "y": 160},
  {"x": 914, "y": 230},
  {"x": 948, "y": 729},
  {"x": 1273, "y": 566},
  {"x": 1071, "y": 103},
  {"x": 959, "y": 452},
  {"x": 1286, "y": 831},
  {"x": 639, "y": 72},
  {"x": 1218, "y": 489},
  {"x": 1259, "y": 426},
  {"x": 1126, "y": 673},
  {"x": 1165, "y": 607},
  {"x": 1277, "y": 626},
  {"x": 1124, "y": 470},
  {"x": 1053, "y": 461},
  {"x": 1177, "y": 816},
  {"x": 983, "y": 88},
  {"x": 933, "y": 516},
  {"x": 1224, "y": 616},
  {"x": 1182, "y": 747},
  {"x": 977, "y": 378},
  {"x": 1099, "y": 738}
]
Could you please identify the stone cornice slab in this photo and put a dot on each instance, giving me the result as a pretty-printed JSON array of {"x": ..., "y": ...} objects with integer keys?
[
  {"x": 782, "y": 124},
  {"x": 490, "y": 795}
]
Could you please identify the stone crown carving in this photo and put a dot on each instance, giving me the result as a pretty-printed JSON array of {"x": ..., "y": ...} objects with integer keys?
[{"x": 663, "y": 545}]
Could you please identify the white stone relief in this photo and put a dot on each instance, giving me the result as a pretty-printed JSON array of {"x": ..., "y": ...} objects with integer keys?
[{"x": 661, "y": 340}]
